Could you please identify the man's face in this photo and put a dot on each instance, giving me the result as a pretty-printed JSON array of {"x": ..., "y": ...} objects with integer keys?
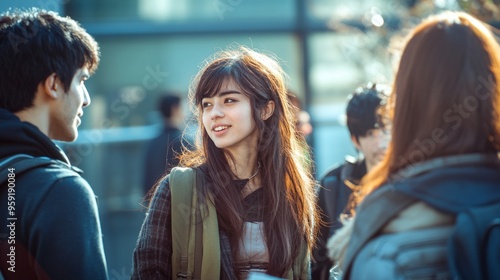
[
  {"x": 67, "y": 111},
  {"x": 373, "y": 145}
]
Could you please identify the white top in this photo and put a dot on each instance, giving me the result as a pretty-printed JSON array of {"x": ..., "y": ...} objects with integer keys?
[{"x": 253, "y": 250}]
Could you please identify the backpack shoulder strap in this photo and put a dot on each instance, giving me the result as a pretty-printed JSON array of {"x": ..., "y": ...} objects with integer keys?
[
  {"x": 182, "y": 182},
  {"x": 386, "y": 202},
  {"x": 348, "y": 168},
  {"x": 373, "y": 214},
  {"x": 474, "y": 247},
  {"x": 191, "y": 257},
  {"x": 21, "y": 163},
  {"x": 301, "y": 268}
]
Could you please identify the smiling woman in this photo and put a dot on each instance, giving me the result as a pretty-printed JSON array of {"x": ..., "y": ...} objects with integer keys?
[
  {"x": 227, "y": 118},
  {"x": 255, "y": 175}
]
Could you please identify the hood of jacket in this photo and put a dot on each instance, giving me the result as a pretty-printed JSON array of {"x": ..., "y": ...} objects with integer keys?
[
  {"x": 453, "y": 189},
  {"x": 18, "y": 137}
]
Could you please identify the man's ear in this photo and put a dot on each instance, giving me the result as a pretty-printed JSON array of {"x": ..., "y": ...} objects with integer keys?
[
  {"x": 50, "y": 85},
  {"x": 268, "y": 110},
  {"x": 355, "y": 142}
]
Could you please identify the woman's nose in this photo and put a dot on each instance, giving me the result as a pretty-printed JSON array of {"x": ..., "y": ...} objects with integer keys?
[{"x": 216, "y": 112}]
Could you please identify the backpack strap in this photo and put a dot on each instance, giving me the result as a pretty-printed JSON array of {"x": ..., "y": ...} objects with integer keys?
[
  {"x": 373, "y": 214},
  {"x": 386, "y": 202},
  {"x": 21, "y": 163},
  {"x": 301, "y": 268},
  {"x": 474, "y": 245},
  {"x": 191, "y": 257}
]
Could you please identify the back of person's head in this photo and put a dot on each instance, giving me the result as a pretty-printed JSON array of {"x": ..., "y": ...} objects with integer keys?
[
  {"x": 446, "y": 91},
  {"x": 361, "y": 111},
  {"x": 445, "y": 98},
  {"x": 167, "y": 104},
  {"x": 34, "y": 44}
]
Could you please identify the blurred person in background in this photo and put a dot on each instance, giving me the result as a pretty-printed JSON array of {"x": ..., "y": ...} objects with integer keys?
[
  {"x": 163, "y": 151},
  {"x": 302, "y": 117},
  {"x": 303, "y": 126},
  {"x": 54, "y": 230},
  {"x": 370, "y": 138},
  {"x": 253, "y": 178}
]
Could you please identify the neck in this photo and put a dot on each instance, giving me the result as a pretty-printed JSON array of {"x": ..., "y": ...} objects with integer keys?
[
  {"x": 36, "y": 116},
  {"x": 256, "y": 172},
  {"x": 369, "y": 167},
  {"x": 244, "y": 169}
]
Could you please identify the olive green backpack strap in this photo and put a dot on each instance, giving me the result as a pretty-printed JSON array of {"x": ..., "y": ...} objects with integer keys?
[
  {"x": 301, "y": 268},
  {"x": 191, "y": 257}
]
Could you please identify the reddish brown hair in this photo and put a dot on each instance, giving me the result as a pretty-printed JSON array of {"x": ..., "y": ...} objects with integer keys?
[{"x": 445, "y": 98}]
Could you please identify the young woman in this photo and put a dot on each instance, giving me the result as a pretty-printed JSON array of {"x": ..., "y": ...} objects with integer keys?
[
  {"x": 256, "y": 175},
  {"x": 445, "y": 111}
]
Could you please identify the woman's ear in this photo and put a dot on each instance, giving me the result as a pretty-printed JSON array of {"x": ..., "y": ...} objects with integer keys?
[{"x": 268, "y": 110}]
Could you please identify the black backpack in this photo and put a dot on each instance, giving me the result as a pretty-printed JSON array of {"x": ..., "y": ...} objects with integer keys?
[{"x": 471, "y": 251}]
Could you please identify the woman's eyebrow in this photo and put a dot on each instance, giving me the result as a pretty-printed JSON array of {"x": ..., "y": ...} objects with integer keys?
[{"x": 228, "y": 92}]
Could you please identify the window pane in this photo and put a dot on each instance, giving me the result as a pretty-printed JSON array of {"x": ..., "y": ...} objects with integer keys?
[
  {"x": 181, "y": 11},
  {"x": 338, "y": 9},
  {"x": 26, "y": 4}
]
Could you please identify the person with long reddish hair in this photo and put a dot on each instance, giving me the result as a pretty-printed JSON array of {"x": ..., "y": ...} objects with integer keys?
[
  {"x": 443, "y": 156},
  {"x": 256, "y": 175}
]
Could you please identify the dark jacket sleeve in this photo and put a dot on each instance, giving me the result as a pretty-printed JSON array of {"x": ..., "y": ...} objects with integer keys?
[
  {"x": 330, "y": 184},
  {"x": 153, "y": 251},
  {"x": 66, "y": 238}
]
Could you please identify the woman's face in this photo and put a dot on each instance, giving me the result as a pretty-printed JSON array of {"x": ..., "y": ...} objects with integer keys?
[{"x": 228, "y": 121}]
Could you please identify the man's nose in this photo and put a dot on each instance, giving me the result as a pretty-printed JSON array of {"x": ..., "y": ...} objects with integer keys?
[{"x": 86, "y": 97}]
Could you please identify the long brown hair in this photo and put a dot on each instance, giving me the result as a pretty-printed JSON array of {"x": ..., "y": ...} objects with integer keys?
[
  {"x": 287, "y": 182},
  {"x": 445, "y": 98}
]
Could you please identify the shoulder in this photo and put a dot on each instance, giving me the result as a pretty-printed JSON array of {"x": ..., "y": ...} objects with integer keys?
[
  {"x": 333, "y": 171},
  {"x": 331, "y": 178},
  {"x": 43, "y": 181},
  {"x": 173, "y": 133},
  {"x": 419, "y": 215},
  {"x": 73, "y": 186},
  {"x": 67, "y": 199},
  {"x": 66, "y": 193},
  {"x": 349, "y": 162},
  {"x": 52, "y": 177}
]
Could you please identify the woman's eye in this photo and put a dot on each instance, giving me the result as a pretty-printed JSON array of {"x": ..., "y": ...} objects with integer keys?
[
  {"x": 230, "y": 100},
  {"x": 205, "y": 104}
]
